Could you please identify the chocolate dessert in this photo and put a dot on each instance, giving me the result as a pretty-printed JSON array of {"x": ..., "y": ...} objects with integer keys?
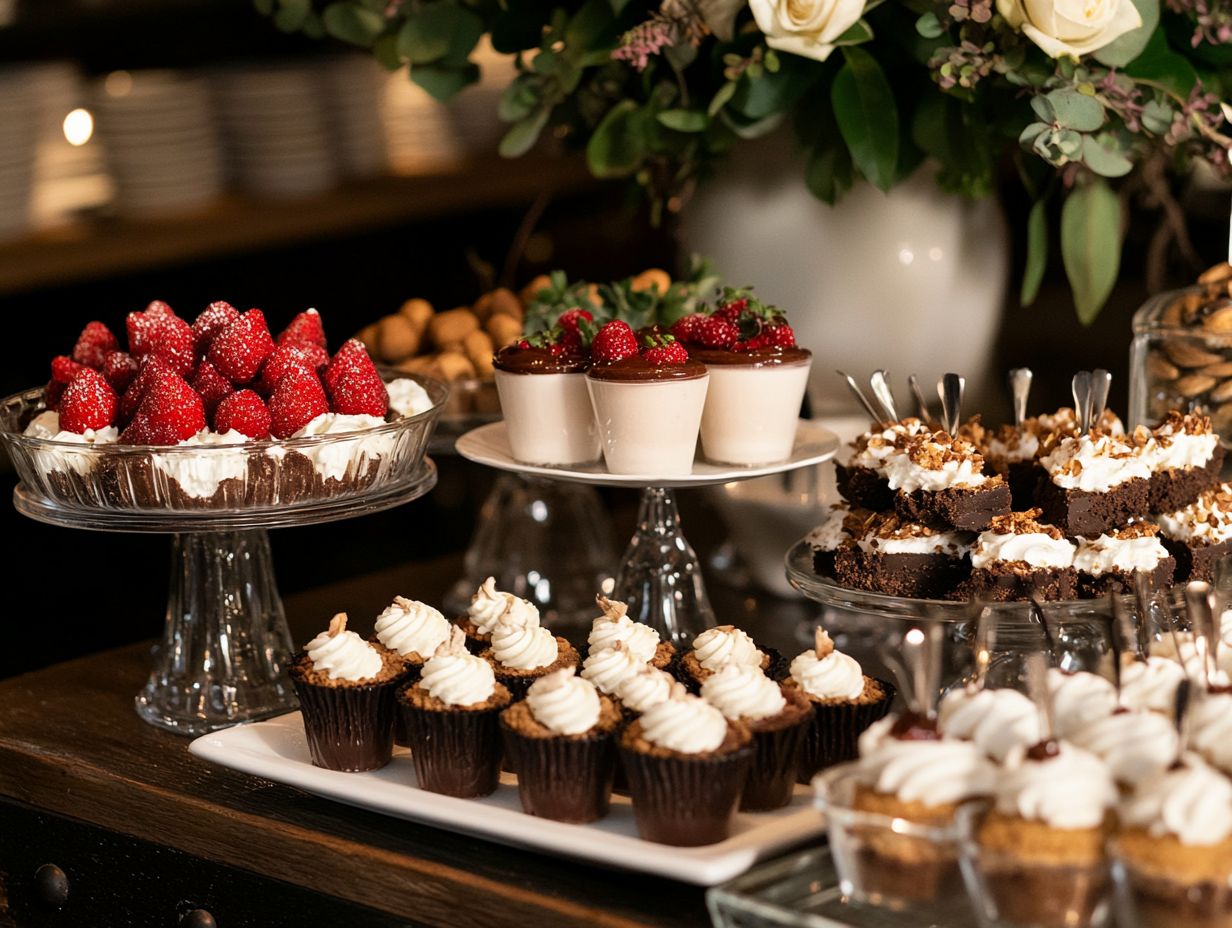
[
  {"x": 1199, "y": 535},
  {"x": 939, "y": 480},
  {"x": 862, "y": 481},
  {"x": 891, "y": 555},
  {"x": 1107, "y": 564},
  {"x": 1096, "y": 482},
  {"x": 1187, "y": 460},
  {"x": 1019, "y": 558}
]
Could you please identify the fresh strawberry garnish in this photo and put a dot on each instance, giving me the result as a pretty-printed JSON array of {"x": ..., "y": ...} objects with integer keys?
[
  {"x": 297, "y": 400},
  {"x": 570, "y": 319},
  {"x": 170, "y": 412},
  {"x": 212, "y": 386},
  {"x": 664, "y": 351},
  {"x": 239, "y": 350},
  {"x": 150, "y": 371},
  {"x": 212, "y": 320},
  {"x": 53, "y": 393},
  {"x": 88, "y": 403},
  {"x": 355, "y": 386},
  {"x": 64, "y": 369},
  {"x": 93, "y": 345},
  {"x": 614, "y": 342},
  {"x": 352, "y": 356},
  {"x": 171, "y": 341},
  {"x": 717, "y": 332},
  {"x": 142, "y": 326},
  {"x": 119, "y": 367},
  {"x": 779, "y": 335},
  {"x": 686, "y": 328},
  {"x": 731, "y": 308},
  {"x": 306, "y": 327},
  {"x": 245, "y": 412},
  {"x": 281, "y": 360},
  {"x": 749, "y": 344}
]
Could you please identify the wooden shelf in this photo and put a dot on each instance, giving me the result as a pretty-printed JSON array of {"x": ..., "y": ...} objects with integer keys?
[{"x": 108, "y": 247}]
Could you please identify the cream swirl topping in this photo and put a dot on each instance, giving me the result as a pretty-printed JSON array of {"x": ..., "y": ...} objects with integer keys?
[
  {"x": 1070, "y": 789},
  {"x": 1210, "y": 731},
  {"x": 1036, "y": 549},
  {"x": 743, "y": 693},
  {"x": 1192, "y": 802},
  {"x": 997, "y": 721},
  {"x": 343, "y": 655},
  {"x": 487, "y": 605},
  {"x": 455, "y": 676},
  {"x": 648, "y": 687},
  {"x": 717, "y": 647},
  {"x": 904, "y": 474},
  {"x": 932, "y": 772},
  {"x": 825, "y": 673},
  {"x": 563, "y": 703},
  {"x": 607, "y": 668},
  {"x": 1095, "y": 462},
  {"x": 411, "y": 627},
  {"x": 685, "y": 724},
  {"x": 1207, "y": 520},
  {"x": 407, "y": 398},
  {"x": 614, "y": 625},
  {"x": 877, "y": 446},
  {"x": 519, "y": 644},
  {"x": 1151, "y": 684},
  {"x": 830, "y": 534},
  {"x": 1079, "y": 699},
  {"x": 1134, "y": 745},
  {"x": 1099, "y": 555}
]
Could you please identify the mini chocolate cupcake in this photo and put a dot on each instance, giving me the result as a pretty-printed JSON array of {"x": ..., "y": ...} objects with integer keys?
[
  {"x": 522, "y": 650},
  {"x": 452, "y": 722},
  {"x": 714, "y": 649},
  {"x": 686, "y": 766},
  {"x": 845, "y": 703},
  {"x": 346, "y": 690},
  {"x": 414, "y": 630},
  {"x": 779, "y": 718},
  {"x": 615, "y": 625},
  {"x": 487, "y": 605},
  {"x": 560, "y": 741}
]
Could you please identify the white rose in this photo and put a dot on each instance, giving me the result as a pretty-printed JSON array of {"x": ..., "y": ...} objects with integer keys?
[
  {"x": 805, "y": 27},
  {"x": 1071, "y": 27}
]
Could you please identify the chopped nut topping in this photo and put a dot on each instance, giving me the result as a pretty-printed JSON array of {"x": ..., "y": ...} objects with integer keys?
[{"x": 1023, "y": 523}]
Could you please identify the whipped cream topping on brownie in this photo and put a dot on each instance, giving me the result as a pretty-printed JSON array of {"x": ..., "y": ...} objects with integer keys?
[
  {"x": 717, "y": 647},
  {"x": 488, "y": 604},
  {"x": 933, "y": 772},
  {"x": 607, "y": 668},
  {"x": 935, "y": 462},
  {"x": 997, "y": 721},
  {"x": 825, "y": 673},
  {"x": 648, "y": 687},
  {"x": 1079, "y": 699},
  {"x": 1190, "y": 802},
  {"x": 1134, "y": 547},
  {"x": 455, "y": 676},
  {"x": 872, "y": 448},
  {"x": 335, "y": 460},
  {"x": 342, "y": 654},
  {"x": 1019, "y": 538},
  {"x": 831, "y": 533},
  {"x": 684, "y": 723},
  {"x": 1012, "y": 444},
  {"x": 519, "y": 642},
  {"x": 743, "y": 693},
  {"x": 411, "y": 627},
  {"x": 563, "y": 703},
  {"x": 1098, "y": 460},
  {"x": 1068, "y": 789},
  {"x": 886, "y": 533},
  {"x": 614, "y": 625},
  {"x": 1207, "y": 520},
  {"x": 1183, "y": 441}
]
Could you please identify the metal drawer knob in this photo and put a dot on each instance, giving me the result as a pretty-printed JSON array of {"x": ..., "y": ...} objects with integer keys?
[
  {"x": 198, "y": 918},
  {"x": 51, "y": 883}
]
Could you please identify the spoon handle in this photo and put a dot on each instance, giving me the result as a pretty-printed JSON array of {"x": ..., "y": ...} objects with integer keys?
[
  {"x": 950, "y": 391},
  {"x": 873, "y": 414},
  {"x": 879, "y": 382},
  {"x": 1020, "y": 389}
]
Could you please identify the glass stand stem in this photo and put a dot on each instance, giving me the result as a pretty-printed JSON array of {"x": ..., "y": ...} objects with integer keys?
[
  {"x": 225, "y": 646},
  {"x": 660, "y": 577}
]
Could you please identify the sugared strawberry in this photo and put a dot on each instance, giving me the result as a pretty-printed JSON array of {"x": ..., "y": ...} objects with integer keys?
[
  {"x": 212, "y": 386},
  {"x": 212, "y": 320},
  {"x": 665, "y": 351},
  {"x": 141, "y": 327},
  {"x": 286, "y": 356},
  {"x": 306, "y": 327},
  {"x": 245, "y": 412},
  {"x": 358, "y": 390},
  {"x": 731, "y": 309},
  {"x": 614, "y": 342},
  {"x": 686, "y": 328},
  {"x": 717, "y": 332},
  {"x": 171, "y": 341},
  {"x": 53, "y": 393},
  {"x": 64, "y": 369},
  {"x": 88, "y": 403},
  {"x": 170, "y": 412},
  {"x": 151, "y": 369},
  {"x": 94, "y": 344},
  {"x": 352, "y": 356},
  {"x": 239, "y": 350},
  {"x": 779, "y": 335},
  {"x": 297, "y": 400},
  {"x": 570, "y": 319},
  {"x": 119, "y": 367}
]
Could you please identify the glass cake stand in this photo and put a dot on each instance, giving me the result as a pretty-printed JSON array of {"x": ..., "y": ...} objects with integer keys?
[
  {"x": 659, "y": 576},
  {"x": 225, "y": 647}
]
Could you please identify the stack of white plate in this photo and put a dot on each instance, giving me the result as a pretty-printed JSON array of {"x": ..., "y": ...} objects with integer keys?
[
  {"x": 18, "y": 138},
  {"x": 352, "y": 94},
  {"x": 161, "y": 141},
  {"x": 276, "y": 129}
]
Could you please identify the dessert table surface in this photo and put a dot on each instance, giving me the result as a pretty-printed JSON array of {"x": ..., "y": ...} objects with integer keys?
[{"x": 130, "y": 822}]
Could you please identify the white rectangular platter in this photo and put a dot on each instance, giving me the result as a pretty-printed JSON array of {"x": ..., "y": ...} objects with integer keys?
[{"x": 276, "y": 750}]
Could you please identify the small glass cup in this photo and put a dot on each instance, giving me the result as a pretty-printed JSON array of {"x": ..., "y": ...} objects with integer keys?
[
  {"x": 1147, "y": 897},
  {"x": 1009, "y": 891}
]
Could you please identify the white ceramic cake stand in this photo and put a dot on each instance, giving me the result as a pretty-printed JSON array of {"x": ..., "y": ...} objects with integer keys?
[{"x": 659, "y": 576}]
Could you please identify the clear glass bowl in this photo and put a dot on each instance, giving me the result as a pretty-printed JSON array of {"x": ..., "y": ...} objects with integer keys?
[{"x": 256, "y": 477}]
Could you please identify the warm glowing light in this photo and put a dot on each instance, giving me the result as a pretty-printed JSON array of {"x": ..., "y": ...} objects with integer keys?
[
  {"x": 118, "y": 84},
  {"x": 78, "y": 126},
  {"x": 915, "y": 636}
]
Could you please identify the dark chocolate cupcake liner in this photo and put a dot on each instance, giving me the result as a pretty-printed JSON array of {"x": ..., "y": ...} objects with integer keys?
[
  {"x": 836, "y": 729},
  {"x": 685, "y": 801},
  {"x": 776, "y": 760},
  {"x": 458, "y": 752},
  {"x": 400, "y": 738},
  {"x": 348, "y": 728},
  {"x": 566, "y": 779},
  {"x": 776, "y": 669}
]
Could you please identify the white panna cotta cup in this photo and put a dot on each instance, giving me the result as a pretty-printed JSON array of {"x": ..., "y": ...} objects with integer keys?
[
  {"x": 648, "y": 419},
  {"x": 753, "y": 406},
  {"x": 547, "y": 412}
]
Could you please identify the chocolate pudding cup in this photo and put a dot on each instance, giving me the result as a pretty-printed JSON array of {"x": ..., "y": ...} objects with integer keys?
[{"x": 547, "y": 410}]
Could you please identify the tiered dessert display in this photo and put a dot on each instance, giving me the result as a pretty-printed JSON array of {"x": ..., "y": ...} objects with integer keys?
[
  {"x": 215, "y": 432},
  {"x": 617, "y": 407}
]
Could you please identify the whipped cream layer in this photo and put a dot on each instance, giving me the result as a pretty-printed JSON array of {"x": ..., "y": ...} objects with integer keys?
[
  {"x": 1100, "y": 555},
  {"x": 829, "y": 534},
  {"x": 1206, "y": 521},
  {"x": 1013, "y": 446},
  {"x": 1151, "y": 684},
  {"x": 743, "y": 693},
  {"x": 407, "y": 398},
  {"x": 1095, "y": 462},
  {"x": 488, "y": 604},
  {"x": 831, "y": 676},
  {"x": 1182, "y": 442},
  {"x": 607, "y": 668},
  {"x": 411, "y": 627},
  {"x": 996, "y": 721},
  {"x": 563, "y": 703},
  {"x": 1071, "y": 789},
  {"x": 648, "y": 687},
  {"x": 905, "y": 473},
  {"x": 455, "y": 676},
  {"x": 1210, "y": 729},
  {"x": 343, "y": 655},
  {"x": 1192, "y": 803},
  {"x": 46, "y": 425},
  {"x": 928, "y": 541},
  {"x": 715, "y": 648},
  {"x": 336, "y": 460},
  {"x": 522, "y": 646},
  {"x": 684, "y": 724},
  {"x": 1079, "y": 699},
  {"x": 200, "y": 475},
  {"x": 1134, "y": 745},
  {"x": 875, "y": 447},
  {"x": 615, "y": 626},
  {"x": 1036, "y": 549},
  {"x": 931, "y": 772}
]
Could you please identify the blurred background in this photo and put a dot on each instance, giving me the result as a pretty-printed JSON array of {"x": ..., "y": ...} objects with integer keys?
[{"x": 185, "y": 150}]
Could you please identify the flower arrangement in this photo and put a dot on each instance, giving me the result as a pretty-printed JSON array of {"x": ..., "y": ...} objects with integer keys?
[{"x": 1078, "y": 93}]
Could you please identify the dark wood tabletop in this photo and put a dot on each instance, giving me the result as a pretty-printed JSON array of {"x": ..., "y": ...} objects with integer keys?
[{"x": 74, "y": 756}]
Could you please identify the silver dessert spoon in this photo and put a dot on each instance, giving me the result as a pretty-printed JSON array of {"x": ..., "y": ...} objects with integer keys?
[
  {"x": 879, "y": 383},
  {"x": 921, "y": 404},
  {"x": 950, "y": 390},
  {"x": 873, "y": 414},
  {"x": 1081, "y": 389},
  {"x": 1020, "y": 388}
]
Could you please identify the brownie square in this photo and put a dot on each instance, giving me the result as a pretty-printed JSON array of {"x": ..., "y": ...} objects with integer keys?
[
  {"x": 969, "y": 508},
  {"x": 863, "y": 487},
  {"x": 1176, "y": 488},
  {"x": 1196, "y": 561},
  {"x": 1083, "y": 512},
  {"x": 1009, "y": 582},
  {"x": 1122, "y": 581},
  {"x": 923, "y": 576}
]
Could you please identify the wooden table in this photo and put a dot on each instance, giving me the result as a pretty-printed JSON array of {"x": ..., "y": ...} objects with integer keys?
[{"x": 106, "y": 821}]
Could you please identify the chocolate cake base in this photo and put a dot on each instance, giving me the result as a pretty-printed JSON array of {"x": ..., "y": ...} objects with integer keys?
[
  {"x": 969, "y": 508},
  {"x": 1196, "y": 562},
  {"x": 864, "y": 487},
  {"x": 1022, "y": 477},
  {"x": 1010, "y": 582},
  {"x": 1083, "y": 512},
  {"x": 1177, "y": 488},
  {"x": 1122, "y": 581},
  {"x": 924, "y": 576}
]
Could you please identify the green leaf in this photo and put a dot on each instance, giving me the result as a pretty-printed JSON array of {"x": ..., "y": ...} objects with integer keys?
[
  {"x": 1157, "y": 117},
  {"x": 312, "y": 27},
  {"x": 589, "y": 24},
  {"x": 1075, "y": 110},
  {"x": 385, "y": 50},
  {"x": 1091, "y": 245},
  {"x": 264, "y": 7},
  {"x": 352, "y": 23},
  {"x": 1101, "y": 155},
  {"x": 1037, "y": 252},
  {"x": 291, "y": 14},
  {"x": 774, "y": 91},
  {"x": 519, "y": 99},
  {"x": 522, "y": 136},
  {"x": 1158, "y": 62},
  {"x": 439, "y": 30},
  {"x": 684, "y": 120},
  {"x": 442, "y": 82},
  {"x": 1043, "y": 109},
  {"x": 721, "y": 98},
  {"x": 829, "y": 171},
  {"x": 618, "y": 145},
  {"x": 867, "y": 116},
  {"x": 1125, "y": 48},
  {"x": 929, "y": 26},
  {"x": 859, "y": 33}
]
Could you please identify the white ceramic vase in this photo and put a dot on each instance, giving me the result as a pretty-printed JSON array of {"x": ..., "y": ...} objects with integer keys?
[{"x": 912, "y": 280}]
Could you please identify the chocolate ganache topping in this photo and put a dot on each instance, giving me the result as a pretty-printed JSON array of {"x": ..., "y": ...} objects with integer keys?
[
  {"x": 759, "y": 357},
  {"x": 638, "y": 368},
  {"x": 515, "y": 360}
]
